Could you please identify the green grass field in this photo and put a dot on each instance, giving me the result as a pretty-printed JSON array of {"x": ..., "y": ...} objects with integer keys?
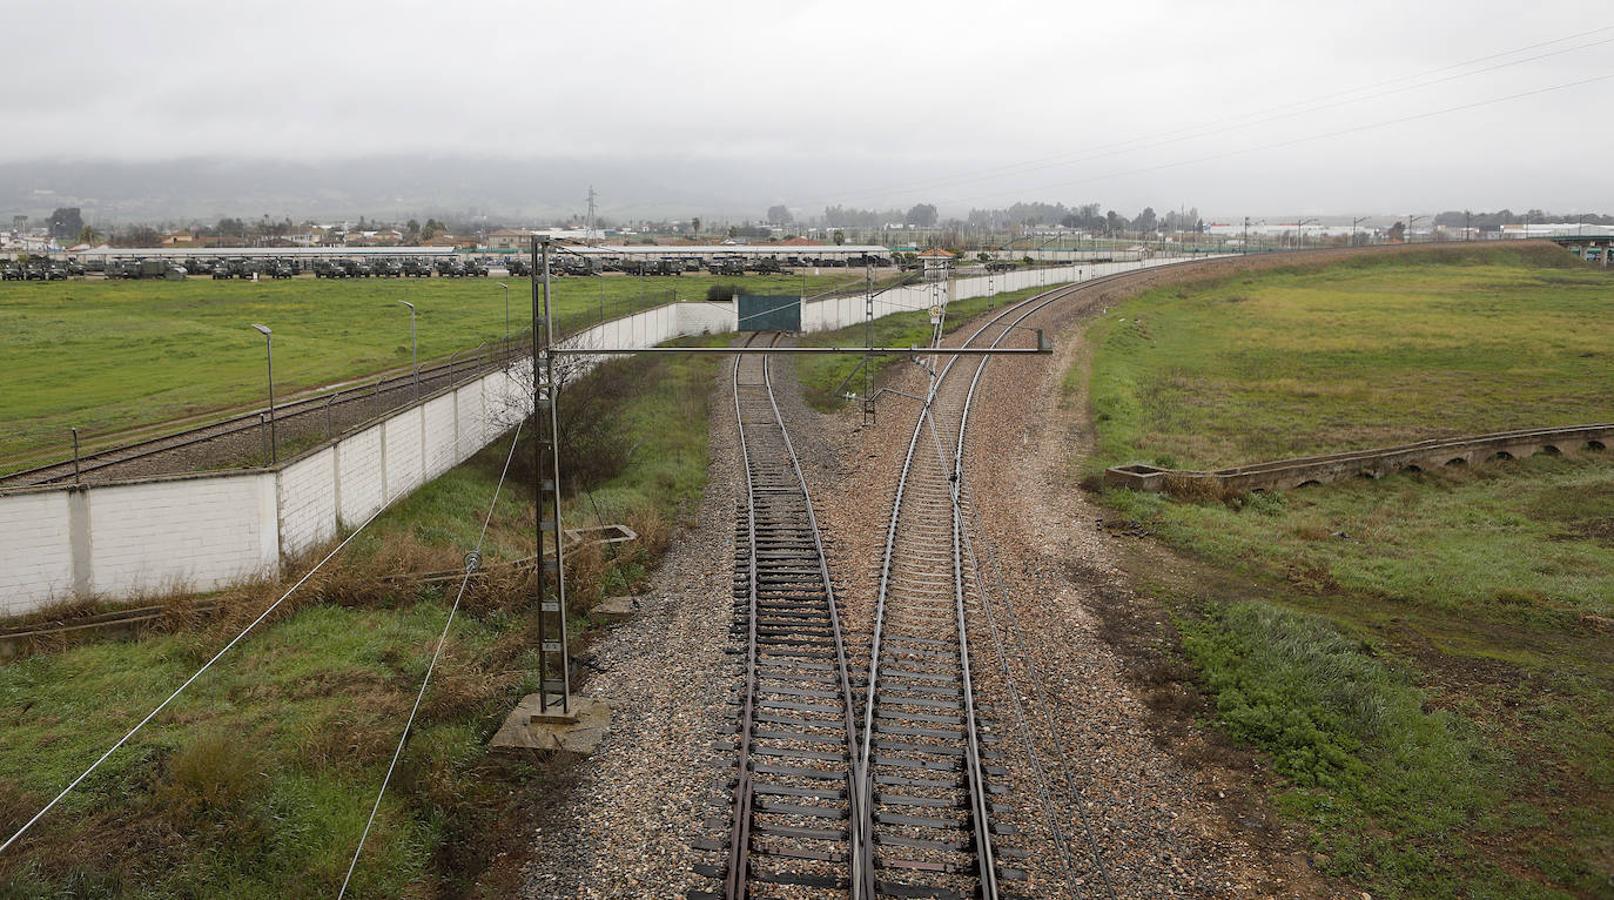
[
  {"x": 109, "y": 355},
  {"x": 821, "y": 375},
  {"x": 1378, "y": 351},
  {"x": 1427, "y": 657},
  {"x": 257, "y": 782}
]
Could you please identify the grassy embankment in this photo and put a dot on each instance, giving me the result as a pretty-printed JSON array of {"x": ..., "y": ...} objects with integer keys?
[
  {"x": 1427, "y": 658},
  {"x": 257, "y": 781},
  {"x": 112, "y": 355},
  {"x": 820, "y": 376}
]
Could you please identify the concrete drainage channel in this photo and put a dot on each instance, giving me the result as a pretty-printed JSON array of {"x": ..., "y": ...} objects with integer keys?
[{"x": 1304, "y": 471}]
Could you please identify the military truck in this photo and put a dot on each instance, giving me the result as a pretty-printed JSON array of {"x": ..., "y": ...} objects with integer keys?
[
  {"x": 732, "y": 265},
  {"x": 417, "y": 268},
  {"x": 386, "y": 268},
  {"x": 450, "y": 268},
  {"x": 517, "y": 267},
  {"x": 475, "y": 269},
  {"x": 329, "y": 268},
  {"x": 768, "y": 265},
  {"x": 277, "y": 268}
]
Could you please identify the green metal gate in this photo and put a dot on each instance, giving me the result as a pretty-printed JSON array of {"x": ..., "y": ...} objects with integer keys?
[{"x": 769, "y": 313}]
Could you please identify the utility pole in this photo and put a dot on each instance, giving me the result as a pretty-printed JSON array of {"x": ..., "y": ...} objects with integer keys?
[
  {"x": 588, "y": 233},
  {"x": 868, "y": 341},
  {"x": 1246, "y": 250},
  {"x": 1355, "y": 222},
  {"x": 553, "y": 654}
]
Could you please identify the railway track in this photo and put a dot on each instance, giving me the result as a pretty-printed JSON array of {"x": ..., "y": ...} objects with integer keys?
[
  {"x": 903, "y": 797},
  {"x": 309, "y": 414},
  {"x": 792, "y": 806},
  {"x": 930, "y": 769}
]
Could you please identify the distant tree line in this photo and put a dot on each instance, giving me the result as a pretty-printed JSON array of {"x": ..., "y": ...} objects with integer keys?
[{"x": 1493, "y": 221}]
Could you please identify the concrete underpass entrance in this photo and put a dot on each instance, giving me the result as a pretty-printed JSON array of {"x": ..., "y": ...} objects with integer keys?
[{"x": 769, "y": 313}]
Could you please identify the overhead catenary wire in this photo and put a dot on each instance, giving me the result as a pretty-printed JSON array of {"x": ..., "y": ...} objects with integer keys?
[
  {"x": 1369, "y": 126},
  {"x": 1284, "y": 110},
  {"x": 1239, "y": 126},
  {"x": 192, "y": 679},
  {"x": 437, "y": 654}
]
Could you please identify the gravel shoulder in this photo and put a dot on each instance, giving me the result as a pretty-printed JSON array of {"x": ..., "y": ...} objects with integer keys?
[
  {"x": 1115, "y": 792},
  {"x": 624, "y": 826}
]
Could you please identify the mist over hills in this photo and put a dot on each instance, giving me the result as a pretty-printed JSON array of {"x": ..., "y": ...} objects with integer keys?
[{"x": 204, "y": 188}]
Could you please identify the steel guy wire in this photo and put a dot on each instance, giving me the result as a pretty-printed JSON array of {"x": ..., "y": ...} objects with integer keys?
[
  {"x": 187, "y": 683},
  {"x": 472, "y": 564}
]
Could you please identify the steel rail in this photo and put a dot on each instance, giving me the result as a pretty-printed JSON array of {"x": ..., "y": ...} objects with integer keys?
[
  {"x": 979, "y": 804},
  {"x": 795, "y": 703},
  {"x": 230, "y": 426},
  {"x": 740, "y": 841},
  {"x": 843, "y": 665}
]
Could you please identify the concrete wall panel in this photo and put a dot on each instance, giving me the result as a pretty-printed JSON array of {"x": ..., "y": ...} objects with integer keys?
[
  {"x": 401, "y": 435},
  {"x": 36, "y": 552},
  {"x": 197, "y": 534},
  {"x": 307, "y": 502},
  {"x": 441, "y": 445},
  {"x": 359, "y": 475}
]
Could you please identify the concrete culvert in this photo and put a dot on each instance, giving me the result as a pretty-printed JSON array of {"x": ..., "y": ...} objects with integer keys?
[
  {"x": 1501, "y": 455},
  {"x": 1549, "y": 449},
  {"x": 1413, "y": 467},
  {"x": 1312, "y": 483},
  {"x": 1595, "y": 445},
  {"x": 1457, "y": 461}
]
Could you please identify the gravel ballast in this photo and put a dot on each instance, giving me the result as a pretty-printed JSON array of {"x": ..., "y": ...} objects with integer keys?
[{"x": 1103, "y": 803}]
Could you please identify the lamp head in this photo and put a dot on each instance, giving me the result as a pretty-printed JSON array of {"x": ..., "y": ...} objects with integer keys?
[{"x": 262, "y": 329}]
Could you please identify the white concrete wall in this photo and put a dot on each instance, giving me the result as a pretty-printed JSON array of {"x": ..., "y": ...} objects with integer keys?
[
  {"x": 307, "y": 497},
  {"x": 205, "y": 532},
  {"x": 194, "y": 533},
  {"x": 36, "y": 552},
  {"x": 440, "y": 440},
  {"x": 401, "y": 451},
  {"x": 358, "y": 476}
]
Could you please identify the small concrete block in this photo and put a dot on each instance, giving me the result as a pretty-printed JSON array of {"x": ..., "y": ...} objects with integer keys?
[
  {"x": 617, "y": 609},
  {"x": 527, "y": 728}
]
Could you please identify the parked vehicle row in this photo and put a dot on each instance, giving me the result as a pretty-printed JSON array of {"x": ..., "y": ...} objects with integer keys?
[{"x": 560, "y": 264}]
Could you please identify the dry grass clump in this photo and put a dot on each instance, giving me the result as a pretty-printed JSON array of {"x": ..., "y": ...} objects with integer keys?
[{"x": 1197, "y": 489}]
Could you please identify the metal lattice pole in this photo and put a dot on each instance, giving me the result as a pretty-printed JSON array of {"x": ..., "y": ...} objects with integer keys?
[{"x": 553, "y": 653}]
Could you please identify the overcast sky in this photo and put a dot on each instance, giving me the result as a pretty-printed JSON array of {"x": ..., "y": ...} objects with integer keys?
[{"x": 1220, "y": 105}]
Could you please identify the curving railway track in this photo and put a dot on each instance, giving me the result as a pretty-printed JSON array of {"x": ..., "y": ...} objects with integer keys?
[
  {"x": 792, "y": 807},
  {"x": 891, "y": 785}
]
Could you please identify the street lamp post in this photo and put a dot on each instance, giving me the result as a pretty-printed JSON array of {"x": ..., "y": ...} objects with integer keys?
[
  {"x": 506, "y": 314},
  {"x": 269, "y": 350},
  {"x": 414, "y": 348}
]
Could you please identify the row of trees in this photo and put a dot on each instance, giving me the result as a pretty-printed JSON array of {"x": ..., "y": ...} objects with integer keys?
[
  {"x": 1087, "y": 216},
  {"x": 1493, "y": 221}
]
